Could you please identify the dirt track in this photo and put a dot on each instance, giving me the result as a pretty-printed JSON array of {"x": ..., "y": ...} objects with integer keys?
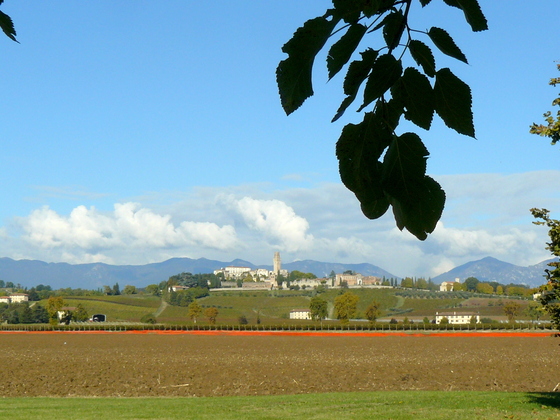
[{"x": 197, "y": 365}]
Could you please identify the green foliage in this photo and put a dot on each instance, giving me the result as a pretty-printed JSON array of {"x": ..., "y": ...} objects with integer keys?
[
  {"x": 550, "y": 292},
  {"x": 511, "y": 310},
  {"x": 384, "y": 169},
  {"x": 345, "y": 306},
  {"x": 373, "y": 311},
  {"x": 211, "y": 313},
  {"x": 471, "y": 283},
  {"x": 318, "y": 308},
  {"x": 552, "y": 127},
  {"x": 129, "y": 290},
  {"x": 80, "y": 314},
  {"x": 194, "y": 311},
  {"x": 148, "y": 319}
]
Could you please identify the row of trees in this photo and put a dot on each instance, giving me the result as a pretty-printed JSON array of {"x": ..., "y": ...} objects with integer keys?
[{"x": 345, "y": 306}]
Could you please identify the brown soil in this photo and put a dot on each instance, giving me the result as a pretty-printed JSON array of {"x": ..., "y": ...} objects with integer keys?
[{"x": 130, "y": 365}]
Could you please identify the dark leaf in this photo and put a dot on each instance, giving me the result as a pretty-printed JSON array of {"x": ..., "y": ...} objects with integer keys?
[
  {"x": 293, "y": 74},
  {"x": 417, "y": 199},
  {"x": 445, "y": 43},
  {"x": 453, "y": 102},
  {"x": 413, "y": 89},
  {"x": 393, "y": 28},
  {"x": 342, "y": 50},
  {"x": 351, "y": 10},
  {"x": 425, "y": 2},
  {"x": 357, "y": 73},
  {"x": 473, "y": 13},
  {"x": 385, "y": 72},
  {"x": 358, "y": 151},
  {"x": 420, "y": 214},
  {"x": 404, "y": 164},
  {"x": 423, "y": 56},
  {"x": 7, "y": 26}
]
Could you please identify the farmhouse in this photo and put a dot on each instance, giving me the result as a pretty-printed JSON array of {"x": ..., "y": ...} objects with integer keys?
[
  {"x": 457, "y": 317},
  {"x": 14, "y": 298},
  {"x": 300, "y": 314},
  {"x": 447, "y": 286}
]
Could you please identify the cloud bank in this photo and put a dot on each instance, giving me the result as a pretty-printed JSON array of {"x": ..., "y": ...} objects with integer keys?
[{"x": 486, "y": 215}]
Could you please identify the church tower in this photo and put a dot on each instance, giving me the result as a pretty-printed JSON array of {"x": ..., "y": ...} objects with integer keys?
[{"x": 276, "y": 263}]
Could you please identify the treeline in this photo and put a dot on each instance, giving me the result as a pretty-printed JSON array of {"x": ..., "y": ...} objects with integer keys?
[{"x": 22, "y": 313}]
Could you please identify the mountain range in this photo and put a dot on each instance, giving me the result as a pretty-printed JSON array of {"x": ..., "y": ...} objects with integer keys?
[{"x": 30, "y": 273}]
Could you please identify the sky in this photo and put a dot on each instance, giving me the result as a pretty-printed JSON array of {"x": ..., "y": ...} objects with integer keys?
[{"x": 133, "y": 133}]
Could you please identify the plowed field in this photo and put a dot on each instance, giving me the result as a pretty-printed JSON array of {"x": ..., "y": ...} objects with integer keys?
[{"x": 114, "y": 364}]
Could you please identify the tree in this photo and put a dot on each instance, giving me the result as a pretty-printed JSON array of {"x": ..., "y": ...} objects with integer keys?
[
  {"x": 407, "y": 282},
  {"x": 318, "y": 308},
  {"x": 552, "y": 127},
  {"x": 550, "y": 292},
  {"x": 194, "y": 311},
  {"x": 116, "y": 289},
  {"x": 80, "y": 314},
  {"x": 485, "y": 288},
  {"x": 129, "y": 290},
  {"x": 40, "y": 315},
  {"x": 54, "y": 304},
  {"x": 511, "y": 310},
  {"x": 373, "y": 311},
  {"x": 211, "y": 314},
  {"x": 152, "y": 289},
  {"x": 533, "y": 311},
  {"x": 345, "y": 306},
  {"x": 470, "y": 284},
  {"x": 371, "y": 154}
]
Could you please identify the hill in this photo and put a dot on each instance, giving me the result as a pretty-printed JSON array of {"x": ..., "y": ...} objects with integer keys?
[
  {"x": 95, "y": 275},
  {"x": 491, "y": 269}
]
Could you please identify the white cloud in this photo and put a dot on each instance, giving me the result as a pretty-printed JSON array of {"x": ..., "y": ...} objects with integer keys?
[
  {"x": 127, "y": 226},
  {"x": 277, "y": 221}
]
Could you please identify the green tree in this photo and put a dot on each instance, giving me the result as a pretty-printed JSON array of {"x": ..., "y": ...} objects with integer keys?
[
  {"x": 211, "y": 314},
  {"x": 485, "y": 288},
  {"x": 511, "y": 310},
  {"x": 54, "y": 304},
  {"x": 370, "y": 153},
  {"x": 373, "y": 311},
  {"x": 80, "y": 314},
  {"x": 152, "y": 289},
  {"x": 40, "y": 314},
  {"x": 552, "y": 127},
  {"x": 194, "y": 311},
  {"x": 471, "y": 283},
  {"x": 550, "y": 292},
  {"x": 345, "y": 306},
  {"x": 318, "y": 308},
  {"x": 534, "y": 311},
  {"x": 116, "y": 289},
  {"x": 407, "y": 282},
  {"x": 129, "y": 290}
]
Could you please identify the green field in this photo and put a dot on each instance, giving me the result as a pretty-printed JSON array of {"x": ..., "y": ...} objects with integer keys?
[
  {"x": 403, "y": 405},
  {"x": 273, "y": 307}
]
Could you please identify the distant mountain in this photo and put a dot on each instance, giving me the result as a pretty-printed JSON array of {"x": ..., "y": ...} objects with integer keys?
[
  {"x": 95, "y": 275},
  {"x": 490, "y": 269},
  {"x": 322, "y": 269}
]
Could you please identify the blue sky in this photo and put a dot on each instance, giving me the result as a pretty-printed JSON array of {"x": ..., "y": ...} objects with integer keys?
[{"x": 132, "y": 133}]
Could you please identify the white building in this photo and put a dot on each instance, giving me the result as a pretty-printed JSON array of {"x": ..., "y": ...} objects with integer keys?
[
  {"x": 457, "y": 317},
  {"x": 300, "y": 314},
  {"x": 447, "y": 286}
]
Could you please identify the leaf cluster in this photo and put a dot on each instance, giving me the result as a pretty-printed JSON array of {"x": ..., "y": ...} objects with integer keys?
[
  {"x": 552, "y": 127},
  {"x": 7, "y": 25},
  {"x": 381, "y": 168},
  {"x": 550, "y": 292}
]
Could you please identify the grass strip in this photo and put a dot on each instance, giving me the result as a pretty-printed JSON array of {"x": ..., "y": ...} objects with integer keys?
[{"x": 334, "y": 406}]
